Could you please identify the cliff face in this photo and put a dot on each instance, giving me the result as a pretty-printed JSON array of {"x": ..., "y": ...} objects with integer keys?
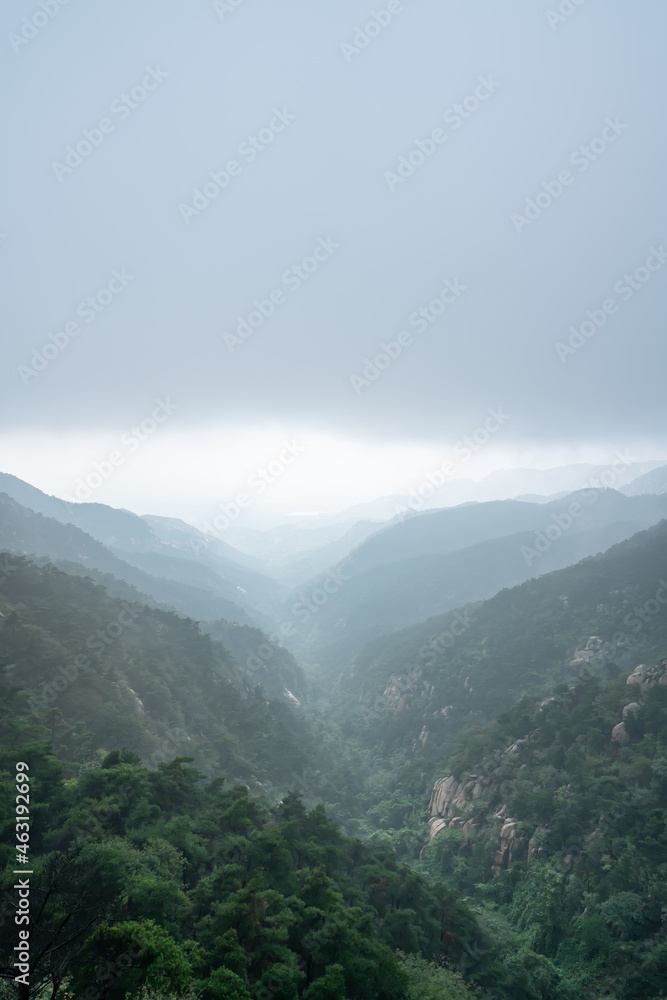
[
  {"x": 449, "y": 804},
  {"x": 454, "y": 804}
]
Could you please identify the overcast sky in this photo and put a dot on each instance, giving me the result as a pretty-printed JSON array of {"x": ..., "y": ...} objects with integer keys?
[{"x": 373, "y": 160}]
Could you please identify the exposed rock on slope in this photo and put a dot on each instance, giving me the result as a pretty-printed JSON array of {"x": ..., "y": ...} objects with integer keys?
[
  {"x": 452, "y": 802},
  {"x": 478, "y": 800},
  {"x": 644, "y": 677}
]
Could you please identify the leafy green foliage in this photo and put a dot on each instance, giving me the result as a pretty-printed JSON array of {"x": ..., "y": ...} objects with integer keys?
[
  {"x": 586, "y": 890},
  {"x": 406, "y": 699},
  {"x": 141, "y": 678},
  {"x": 171, "y": 859},
  {"x": 178, "y": 883}
]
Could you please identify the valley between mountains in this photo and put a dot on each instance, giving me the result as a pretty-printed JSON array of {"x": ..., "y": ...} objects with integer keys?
[{"x": 408, "y": 755}]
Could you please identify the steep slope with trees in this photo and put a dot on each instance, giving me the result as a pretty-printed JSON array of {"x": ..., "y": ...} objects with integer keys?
[
  {"x": 141, "y": 678},
  {"x": 439, "y": 560},
  {"x": 553, "y": 819},
  {"x": 407, "y": 698},
  {"x": 24, "y": 532}
]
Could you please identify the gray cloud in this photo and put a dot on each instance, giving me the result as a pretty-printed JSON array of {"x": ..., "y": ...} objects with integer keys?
[{"x": 349, "y": 119}]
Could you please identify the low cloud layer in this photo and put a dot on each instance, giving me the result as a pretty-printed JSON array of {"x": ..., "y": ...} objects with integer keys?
[{"x": 376, "y": 224}]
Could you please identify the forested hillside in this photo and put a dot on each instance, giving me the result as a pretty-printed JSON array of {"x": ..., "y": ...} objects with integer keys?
[
  {"x": 124, "y": 675},
  {"x": 436, "y": 561},
  {"x": 482, "y": 658},
  {"x": 406, "y": 698},
  {"x": 150, "y": 880},
  {"x": 333, "y": 501},
  {"x": 24, "y": 532},
  {"x": 553, "y": 820},
  {"x": 161, "y": 880},
  {"x": 207, "y": 821}
]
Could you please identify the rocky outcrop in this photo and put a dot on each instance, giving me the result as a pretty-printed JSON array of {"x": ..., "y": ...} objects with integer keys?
[
  {"x": 138, "y": 703},
  {"x": 592, "y": 648},
  {"x": 641, "y": 679},
  {"x": 535, "y": 849},
  {"x": 619, "y": 733},
  {"x": 401, "y": 688},
  {"x": 436, "y": 824},
  {"x": 421, "y": 739},
  {"x": 450, "y": 807},
  {"x": 445, "y": 793},
  {"x": 509, "y": 841},
  {"x": 451, "y": 800},
  {"x": 467, "y": 828},
  {"x": 646, "y": 677},
  {"x": 474, "y": 804}
]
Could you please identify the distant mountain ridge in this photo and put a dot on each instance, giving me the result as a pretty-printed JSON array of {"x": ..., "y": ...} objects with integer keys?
[
  {"x": 120, "y": 528},
  {"x": 651, "y": 482},
  {"x": 26, "y": 532},
  {"x": 407, "y": 697},
  {"x": 162, "y": 547},
  {"x": 503, "y": 484},
  {"x": 140, "y": 678},
  {"x": 438, "y": 560}
]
